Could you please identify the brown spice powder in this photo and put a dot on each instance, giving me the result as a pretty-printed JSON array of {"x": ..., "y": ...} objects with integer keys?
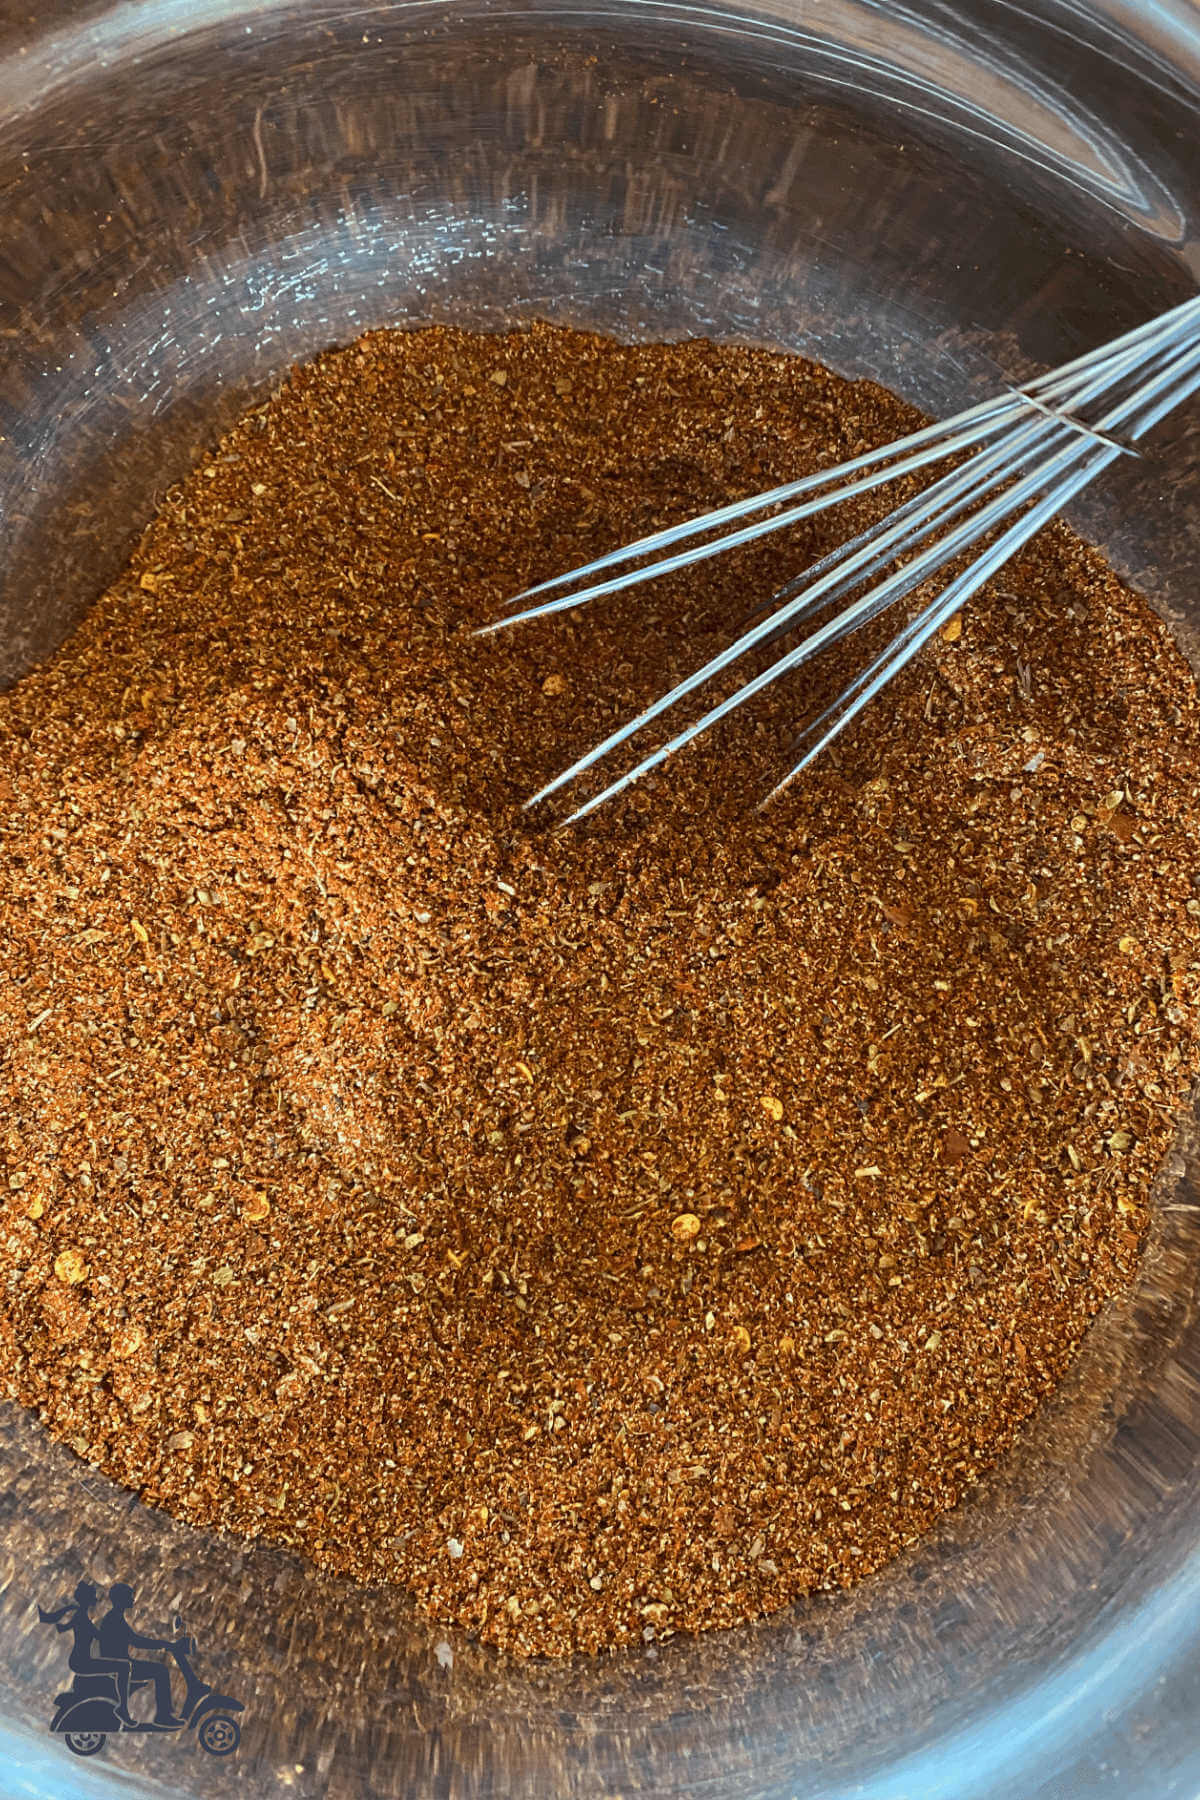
[{"x": 602, "y": 1233}]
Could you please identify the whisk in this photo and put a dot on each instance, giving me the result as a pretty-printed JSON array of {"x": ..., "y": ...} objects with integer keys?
[{"x": 1034, "y": 449}]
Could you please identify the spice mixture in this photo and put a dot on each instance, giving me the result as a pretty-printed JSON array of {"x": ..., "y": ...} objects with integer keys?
[{"x": 602, "y": 1232}]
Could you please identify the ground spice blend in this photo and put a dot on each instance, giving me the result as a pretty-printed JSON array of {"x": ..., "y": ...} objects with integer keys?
[{"x": 608, "y": 1232}]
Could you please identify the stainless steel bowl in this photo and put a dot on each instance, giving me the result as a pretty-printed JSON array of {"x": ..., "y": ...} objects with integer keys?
[{"x": 196, "y": 192}]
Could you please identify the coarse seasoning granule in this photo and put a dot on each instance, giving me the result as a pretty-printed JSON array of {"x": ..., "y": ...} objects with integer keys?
[{"x": 601, "y": 1232}]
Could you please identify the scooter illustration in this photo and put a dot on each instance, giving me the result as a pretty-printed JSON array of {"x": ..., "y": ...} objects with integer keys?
[{"x": 91, "y": 1708}]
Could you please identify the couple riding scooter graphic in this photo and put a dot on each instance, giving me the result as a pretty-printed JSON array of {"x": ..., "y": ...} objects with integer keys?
[{"x": 105, "y": 1663}]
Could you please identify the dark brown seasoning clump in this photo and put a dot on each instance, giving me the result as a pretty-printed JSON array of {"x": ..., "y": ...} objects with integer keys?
[{"x": 602, "y": 1233}]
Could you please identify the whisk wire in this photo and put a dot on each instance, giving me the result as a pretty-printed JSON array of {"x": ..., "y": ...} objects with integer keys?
[
  {"x": 1032, "y": 450},
  {"x": 876, "y": 549},
  {"x": 948, "y": 603},
  {"x": 907, "y": 455},
  {"x": 917, "y": 633}
]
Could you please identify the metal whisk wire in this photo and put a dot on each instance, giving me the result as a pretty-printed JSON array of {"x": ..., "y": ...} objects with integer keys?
[{"x": 1032, "y": 453}]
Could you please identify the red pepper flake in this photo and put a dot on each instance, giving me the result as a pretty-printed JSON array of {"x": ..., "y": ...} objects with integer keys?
[{"x": 955, "y": 1145}]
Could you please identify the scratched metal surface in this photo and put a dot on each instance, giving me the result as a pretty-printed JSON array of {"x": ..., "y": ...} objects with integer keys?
[{"x": 193, "y": 195}]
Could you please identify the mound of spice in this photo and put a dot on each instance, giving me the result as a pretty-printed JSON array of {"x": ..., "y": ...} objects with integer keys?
[{"x": 604, "y": 1232}]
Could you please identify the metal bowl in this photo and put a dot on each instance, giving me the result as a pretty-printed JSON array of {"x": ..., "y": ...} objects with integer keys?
[{"x": 196, "y": 193}]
